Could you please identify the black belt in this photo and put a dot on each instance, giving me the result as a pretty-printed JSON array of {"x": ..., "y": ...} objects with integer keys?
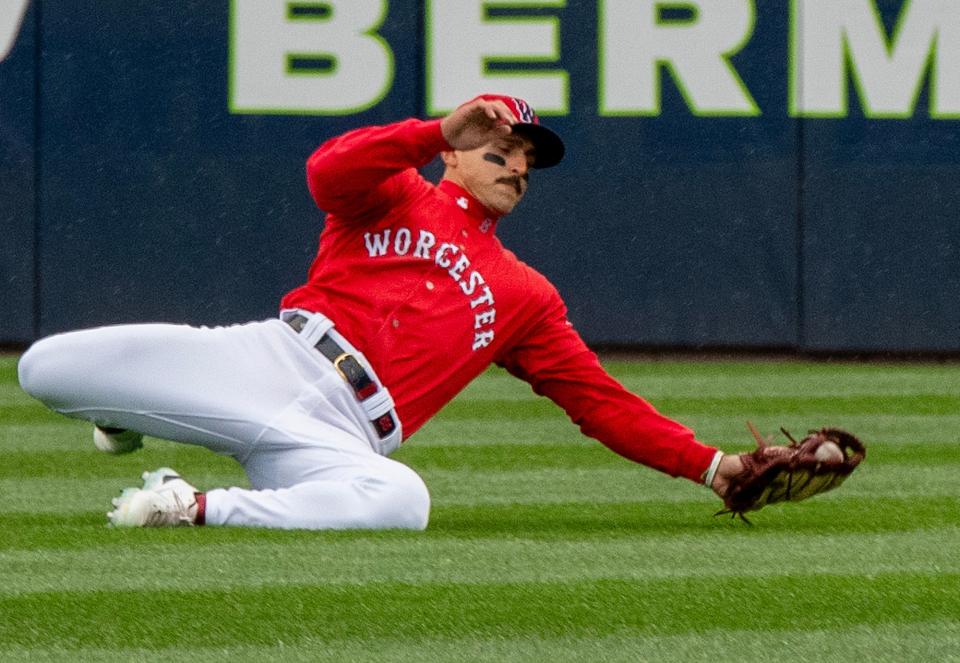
[{"x": 351, "y": 370}]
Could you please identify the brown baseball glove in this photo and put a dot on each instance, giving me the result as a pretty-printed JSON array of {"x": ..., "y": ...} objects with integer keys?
[{"x": 819, "y": 462}]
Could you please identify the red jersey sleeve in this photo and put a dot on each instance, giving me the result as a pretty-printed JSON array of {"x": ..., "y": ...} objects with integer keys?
[
  {"x": 557, "y": 363},
  {"x": 357, "y": 174}
]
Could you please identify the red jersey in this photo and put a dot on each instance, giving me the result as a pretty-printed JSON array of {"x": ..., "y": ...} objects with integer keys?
[{"x": 414, "y": 276}]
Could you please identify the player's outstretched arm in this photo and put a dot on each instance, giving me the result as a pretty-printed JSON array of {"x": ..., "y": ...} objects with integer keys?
[{"x": 558, "y": 364}]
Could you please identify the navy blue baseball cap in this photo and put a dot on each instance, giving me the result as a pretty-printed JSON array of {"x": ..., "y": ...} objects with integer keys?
[{"x": 549, "y": 147}]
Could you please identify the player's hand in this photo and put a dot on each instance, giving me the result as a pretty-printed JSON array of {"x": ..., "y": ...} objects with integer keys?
[
  {"x": 730, "y": 466},
  {"x": 476, "y": 123}
]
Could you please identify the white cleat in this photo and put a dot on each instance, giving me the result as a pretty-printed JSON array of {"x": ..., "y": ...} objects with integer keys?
[
  {"x": 165, "y": 500},
  {"x": 116, "y": 440}
]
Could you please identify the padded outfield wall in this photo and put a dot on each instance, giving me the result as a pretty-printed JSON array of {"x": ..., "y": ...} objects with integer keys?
[{"x": 740, "y": 173}]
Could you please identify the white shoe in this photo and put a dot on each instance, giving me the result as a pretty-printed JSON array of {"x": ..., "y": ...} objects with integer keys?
[
  {"x": 116, "y": 440},
  {"x": 165, "y": 500}
]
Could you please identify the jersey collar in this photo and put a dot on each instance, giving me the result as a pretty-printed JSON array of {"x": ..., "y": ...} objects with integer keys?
[{"x": 485, "y": 218}]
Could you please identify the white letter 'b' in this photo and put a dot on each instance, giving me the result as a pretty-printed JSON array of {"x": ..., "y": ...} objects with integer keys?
[{"x": 308, "y": 58}]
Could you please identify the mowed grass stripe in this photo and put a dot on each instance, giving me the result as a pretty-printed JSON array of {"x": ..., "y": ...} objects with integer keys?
[
  {"x": 85, "y": 462},
  {"x": 585, "y": 608},
  {"x": 936, "y": 640},
  {"x": 913, "y": 404},
  {"x": 542, "y": 522},
  {"x": 829, "y": 514},
  {"x": 727, "y": 431},
  {"x": 745, "y": 378},
  {"x": 359, "y": 561}
]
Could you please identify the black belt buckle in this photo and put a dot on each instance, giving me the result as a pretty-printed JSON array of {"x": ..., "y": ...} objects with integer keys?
[
  {"x": 353, "y": 373},
  {"x": 350, "y": 370}
]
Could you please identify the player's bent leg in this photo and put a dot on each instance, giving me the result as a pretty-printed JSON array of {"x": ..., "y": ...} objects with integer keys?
[
  {"x": 43, "y": 376},
  {"x": 173, "y": 382},
  {"x": 38, "y": 370},
  {"x": 392, "y": 496},
  {"x": 95, "y": 374}
]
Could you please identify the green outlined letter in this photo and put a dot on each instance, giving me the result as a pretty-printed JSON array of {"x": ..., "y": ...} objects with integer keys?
[
  {"x": 463, "y": 40},
  {"x": 321, "y": 58},
  {"x": 830, "y": 37},
  {"x": 11, "y": 16},
  {"x": 635, "y": 42}
]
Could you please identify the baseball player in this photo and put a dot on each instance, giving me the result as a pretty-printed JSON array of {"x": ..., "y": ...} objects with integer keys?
[{"x": 410, "y": 297}]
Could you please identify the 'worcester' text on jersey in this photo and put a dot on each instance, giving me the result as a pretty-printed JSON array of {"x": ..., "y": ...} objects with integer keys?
[{"x": 454, "y": 261}]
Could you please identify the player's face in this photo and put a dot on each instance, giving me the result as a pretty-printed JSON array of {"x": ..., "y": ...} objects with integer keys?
[{"x": 496, "y": 174}]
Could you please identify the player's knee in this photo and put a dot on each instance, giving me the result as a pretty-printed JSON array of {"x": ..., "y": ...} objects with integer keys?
[
  {"x": 37, "y": 372},
  {"x": 405, "y": 501}
]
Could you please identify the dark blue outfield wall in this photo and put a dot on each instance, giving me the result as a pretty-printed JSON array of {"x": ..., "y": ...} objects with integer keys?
[{"x": 788, "y": 175}]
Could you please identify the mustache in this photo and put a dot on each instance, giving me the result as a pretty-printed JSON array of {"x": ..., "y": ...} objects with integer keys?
[{"x": 514, "y": 180}]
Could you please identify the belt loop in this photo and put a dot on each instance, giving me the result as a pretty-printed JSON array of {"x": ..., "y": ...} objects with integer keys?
[{"x": 315, "y": 328}]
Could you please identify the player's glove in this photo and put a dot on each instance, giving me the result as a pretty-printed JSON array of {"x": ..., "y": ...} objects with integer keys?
[{"x": 819, "y": 462}]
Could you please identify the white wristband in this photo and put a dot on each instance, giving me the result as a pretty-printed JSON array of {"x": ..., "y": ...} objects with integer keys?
[{"x": 712, "y": 470}]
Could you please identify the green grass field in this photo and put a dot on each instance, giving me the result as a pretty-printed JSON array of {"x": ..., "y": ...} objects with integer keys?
[{"x": 543, "y": 545}]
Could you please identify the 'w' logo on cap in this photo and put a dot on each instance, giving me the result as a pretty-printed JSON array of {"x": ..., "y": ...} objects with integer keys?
[
  {"x": 548, "y": 145},
  {"x": 524, "y": 112}
]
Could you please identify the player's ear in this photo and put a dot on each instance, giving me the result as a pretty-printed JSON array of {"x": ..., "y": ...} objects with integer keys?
[{"x": 450, "y": 159}]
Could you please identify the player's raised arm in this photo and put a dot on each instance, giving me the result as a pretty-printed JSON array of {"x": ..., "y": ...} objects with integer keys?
[
  {"x": 352, "y": 175},
  {"x": 477, "y": 123}
]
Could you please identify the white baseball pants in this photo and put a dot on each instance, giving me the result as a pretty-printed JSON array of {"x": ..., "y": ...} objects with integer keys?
[{"x": 258, "y": 392}]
